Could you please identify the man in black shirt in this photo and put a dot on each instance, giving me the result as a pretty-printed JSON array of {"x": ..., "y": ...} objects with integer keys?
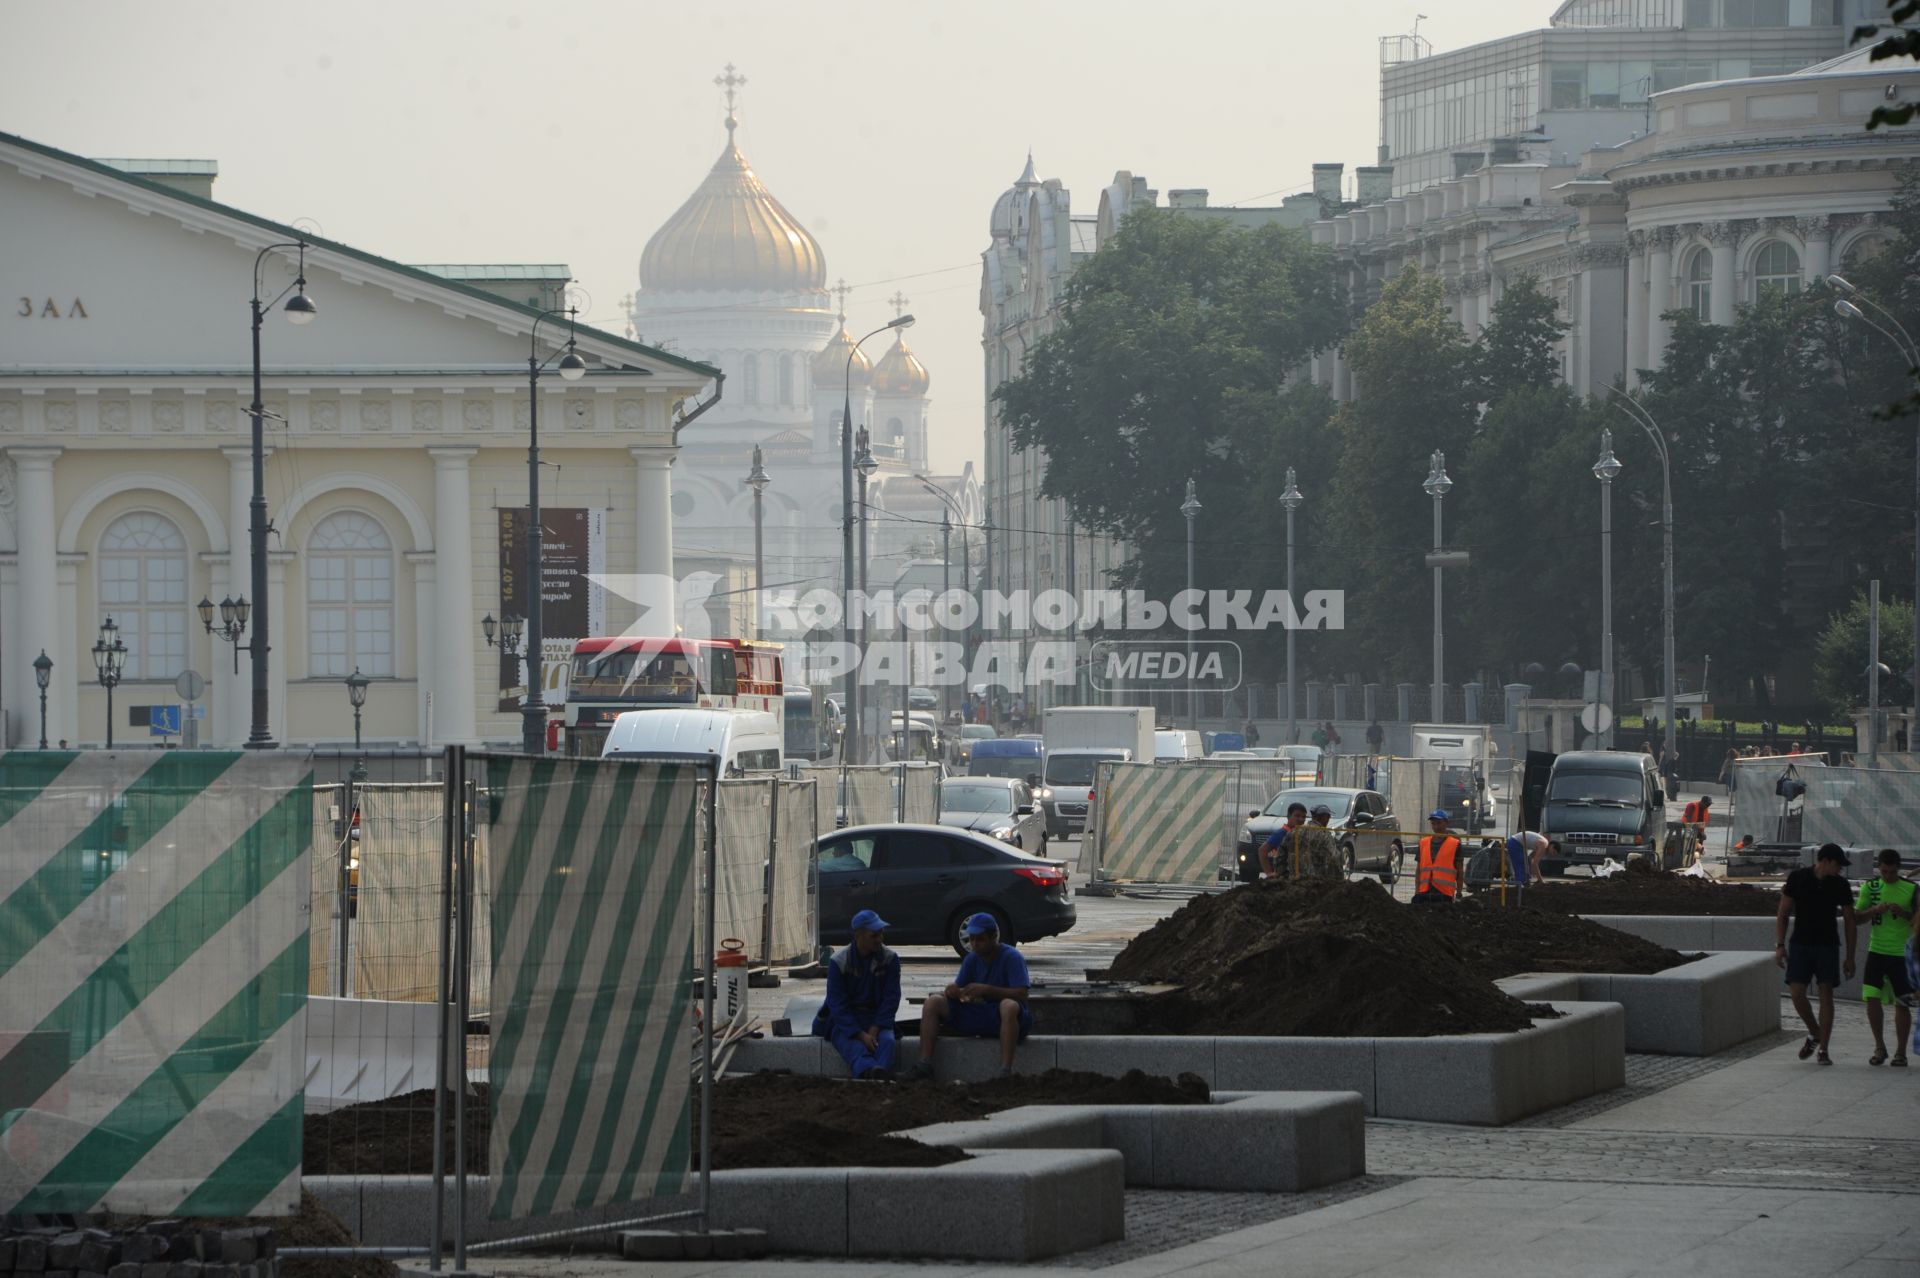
[{"x": 1815, "y": 895}]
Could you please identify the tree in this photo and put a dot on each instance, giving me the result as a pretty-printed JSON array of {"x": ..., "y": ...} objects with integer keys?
[
  {"x": 1520, "y": 346},
  {"x": 1840, "y": 657},
  {"x": 1903, "y": 42},
  {"x": 1173, "y": 359}
]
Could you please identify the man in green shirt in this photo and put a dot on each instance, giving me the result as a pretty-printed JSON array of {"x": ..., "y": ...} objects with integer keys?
[{"x": 1886, "y": 903}]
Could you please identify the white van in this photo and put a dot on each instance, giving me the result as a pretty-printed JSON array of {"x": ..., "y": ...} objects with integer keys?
[
  {"x": 743, "y": 740},
  {"x": 1173, "y": 745}
]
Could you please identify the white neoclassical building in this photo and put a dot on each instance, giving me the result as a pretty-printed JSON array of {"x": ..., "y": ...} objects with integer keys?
[
  {"x": 733, "y": 279},
  {"x": 395, "y": 459},
  {"x": 1741, "y": 186}
]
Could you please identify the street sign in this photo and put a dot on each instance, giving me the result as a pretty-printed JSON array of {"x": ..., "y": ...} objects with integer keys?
[
  {"x": 1596, "y": 717},
  {"x": 163, "y": 721},
  {"x": 189, "y": 685},
  {"x": 1447, "y": 558}
]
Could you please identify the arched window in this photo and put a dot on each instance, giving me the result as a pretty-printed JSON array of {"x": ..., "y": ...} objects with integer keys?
[
  {"x": 789, "y": 365},
  {"x": 750, "y": 378},
  {"x": 349, "y": 597},
  {"x": 143, "y": 587},
  {"x": 1700, "y": 285},
  {"x": 1776, "y": 269},
  {"x": 1862, "y": 250}
]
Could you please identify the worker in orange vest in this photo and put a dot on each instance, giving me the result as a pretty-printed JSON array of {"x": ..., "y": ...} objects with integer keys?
[
  {"x": 1436, "y": 878},
  {"x": 1697, "y": 814}
]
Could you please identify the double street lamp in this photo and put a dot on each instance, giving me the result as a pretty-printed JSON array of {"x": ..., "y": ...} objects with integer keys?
[
  {"x": 865, "y": 465},
  {"x": 109, "y": 660},
  {"x": 233, "y": 622},
  {"x": 533, "y": 710},
  {"x": 851, "y": 744},
  {"x": 1848, "y": 307},
  {"x": 42, "y": 676},
  {"x": 1606, "y": 470},
  {"x": 1437, "y": 486},
  {"x": 299, "y": 310},
  {"x": 1632, "y": 408},
  {"x": 1290, "y": 501}
]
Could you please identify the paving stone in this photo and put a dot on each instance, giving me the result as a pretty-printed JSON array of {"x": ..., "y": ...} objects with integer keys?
[{"x": 650, "y": 1244}]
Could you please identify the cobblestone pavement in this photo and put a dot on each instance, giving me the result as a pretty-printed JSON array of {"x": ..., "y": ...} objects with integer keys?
[
  {"x": 1647, "y": 1075},
  {"x": 1161, "y": 1219}
]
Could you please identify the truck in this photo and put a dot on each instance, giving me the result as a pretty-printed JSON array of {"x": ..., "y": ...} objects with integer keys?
[
  {"x": 1078, "y": 739},
  {"x": 1465, "y": 752}
]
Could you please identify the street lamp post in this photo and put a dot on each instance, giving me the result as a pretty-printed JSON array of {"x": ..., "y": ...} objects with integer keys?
[
  {"x": 109, "y": 659},
  {"x": 1633, "y": 409},
  {"x": 864, "y": 465},
  {"x": 233, "y": 622},
  {"x": 1848, "y": 309},
  {"x": 851, "y": 743},
  {"x": 299, "y": 310},
  {"x": 946, "y": 584},
  {"x": 357, "y": 694},
  {"x": 1606, "y": 470},
  {"x": 1437, "y": 485},
  {"x": 1290, "y": 501},
  {"x": 951, "y": 506},
  {"x": 1191, "y": 509},
  {"x": 42, "y": 676},
  {"x": 757, "y": 480},
  {"x": 533, "y": 710}
]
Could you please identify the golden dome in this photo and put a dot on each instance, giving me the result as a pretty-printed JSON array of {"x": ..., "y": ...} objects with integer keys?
[
  {"x": 830, "y": 365},
  {"x": 732, "y": 235},
  {"x": 900, "y": 372}
]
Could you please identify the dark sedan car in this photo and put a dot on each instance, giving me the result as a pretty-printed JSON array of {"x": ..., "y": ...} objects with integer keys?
[
  {"x": 926, "y": 879},
  {"x": 998, "y": 807},
  {"x": 1355, "y": 815}
]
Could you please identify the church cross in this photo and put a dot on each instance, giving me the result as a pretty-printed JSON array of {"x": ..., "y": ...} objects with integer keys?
[
  {"x": 840, "y": 290},
  {"x": 898, "y": 302},
  {"x": 729, "y": 82}
]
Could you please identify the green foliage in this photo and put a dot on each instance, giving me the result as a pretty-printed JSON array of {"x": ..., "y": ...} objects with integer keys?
[
  {"x": 1903, "y": 43},
  {"x": 1840, "y": 657},
  {"x": 1519, "y": 348},
  {"x": 1171, "y": 361}
]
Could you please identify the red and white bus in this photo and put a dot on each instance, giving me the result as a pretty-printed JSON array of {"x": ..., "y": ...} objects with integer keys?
[{"x": 610, "y": 676}]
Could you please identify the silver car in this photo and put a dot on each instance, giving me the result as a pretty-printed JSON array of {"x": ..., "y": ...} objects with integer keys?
[{"x": 998, "y": 807}]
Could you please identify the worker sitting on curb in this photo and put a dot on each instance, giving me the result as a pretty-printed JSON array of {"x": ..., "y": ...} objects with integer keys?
[
  {"x": 1279, "y": 852},
  {"x": 988, "y": 997},
  {"x": 863, "y": 994},
  {"x": 1436, "y": 878},
  {"x": 1316, "y": 853}
]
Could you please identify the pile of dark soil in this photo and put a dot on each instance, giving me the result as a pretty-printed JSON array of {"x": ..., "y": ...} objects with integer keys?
[
  {"x": 1318, "y": 958},
  {"x": 1641, "y": 889},
  {"x": 1499, "y": 942},
  {"x": 763, "y": 1120}
]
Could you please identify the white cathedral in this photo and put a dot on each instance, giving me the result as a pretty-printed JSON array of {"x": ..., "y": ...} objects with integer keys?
[{"x": 732, "y": 279}]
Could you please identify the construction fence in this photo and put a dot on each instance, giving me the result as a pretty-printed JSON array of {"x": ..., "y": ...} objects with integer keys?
[
  {"x": 873, "y": 793},
  {"x": 1854, "y": 807},
  {"x": 1174, "y": 823}
]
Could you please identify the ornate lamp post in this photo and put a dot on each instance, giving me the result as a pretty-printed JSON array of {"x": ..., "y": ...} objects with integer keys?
[
  {"x": 357, "y": 694},
  {"x": 1437, "y": 486},
  {"x": 233, "y": 622},
  {"x": 1606, "y": 470},
  {"x": 533, "y": 710},
  {"x": 1640, "y": 415},
  {"x": 109, "y": 659},
  {"x": 848, "y": 513},
  {"x": 1190, "y": 508},
  {"x": 1290, "y": 501},
  {"x": 299, "y": 310},
  {"x": 43, "y": 675},
  {"x": 866, "y": 465},
  {"x": 757, "y": 480}
]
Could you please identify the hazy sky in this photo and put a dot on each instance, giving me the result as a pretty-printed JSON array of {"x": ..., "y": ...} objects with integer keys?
[{"x": 497, "y": 131}]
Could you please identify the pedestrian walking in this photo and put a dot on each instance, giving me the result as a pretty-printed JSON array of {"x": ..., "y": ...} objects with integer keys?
[
  {"x": 1815, "y": 895},
  {"x": 1251, "y": 732},
  {"x": 1376, "y": 736},
  {"x": 1436, "y": 879},
  {"x": 1333, "y": 737},
  {"x": 1886, "y": 904}
]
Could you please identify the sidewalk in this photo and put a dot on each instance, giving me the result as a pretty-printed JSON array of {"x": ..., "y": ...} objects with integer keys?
[{"x": 1766, "y": 1165}]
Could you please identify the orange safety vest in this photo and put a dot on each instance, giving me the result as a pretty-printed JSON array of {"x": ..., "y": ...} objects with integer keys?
[
  {"x": 1693, "y": 814},
  {"x": 1435, "y": 871}
]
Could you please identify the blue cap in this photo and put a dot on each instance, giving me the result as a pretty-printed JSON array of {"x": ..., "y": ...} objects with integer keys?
[
  {"x": 868, "y": 921},
  {"x": 1438, "y": 814},
  {"x": 981, "y": 924}
]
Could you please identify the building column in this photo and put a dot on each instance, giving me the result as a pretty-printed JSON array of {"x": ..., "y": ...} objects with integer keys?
[
  {"x": 1636, "y": 308},
  {"x": 454, "y": 697},
  {"x": 1724, "y": 236},
  {"x": 426, "y": 633},
  {"x": 653, "y": 593},
  {"x": 1817, "y": 232},
  {"x": 39, "y": 619},
  {"x": 1659, "y": 277}
]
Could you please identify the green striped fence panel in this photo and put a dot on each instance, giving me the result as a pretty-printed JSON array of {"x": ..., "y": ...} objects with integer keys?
[
  {"x": 154, "y": 912},
  {"x": 593, "y": 872},
  {"x": 1162, "y": 824},
  {"x": 1861, "y": 808}
]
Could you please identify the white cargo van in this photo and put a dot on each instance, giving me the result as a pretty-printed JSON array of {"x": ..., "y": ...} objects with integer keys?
[{"x": 742, "y": 740}]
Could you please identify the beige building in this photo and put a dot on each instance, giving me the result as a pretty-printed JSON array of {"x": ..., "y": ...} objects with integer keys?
[{"x": 396, "y": 438}]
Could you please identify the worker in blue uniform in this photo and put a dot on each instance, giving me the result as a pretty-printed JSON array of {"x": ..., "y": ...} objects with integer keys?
[
  {"x": 988, "y": 997},
  {"x": 863, "y": 996}
]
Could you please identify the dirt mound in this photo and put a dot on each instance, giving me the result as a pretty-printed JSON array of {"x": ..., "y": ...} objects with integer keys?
[
  {"x": 1315, "y": 959},
  {"x": 762, "y": 1120},
  {"x": 1496, "y": 942},
  {"x": 1641, "y": 889}
]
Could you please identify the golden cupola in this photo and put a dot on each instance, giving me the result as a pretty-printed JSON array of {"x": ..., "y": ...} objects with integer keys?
[
  {"x": 900, "y": 371},
  {"x": 830, "y": 366},
  {"x": 732, "y": 235}
]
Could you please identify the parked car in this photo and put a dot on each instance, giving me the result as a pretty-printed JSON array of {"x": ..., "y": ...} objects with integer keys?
[
  {"x": 1356, "y": 814},
  {"x": 1307, "y": 762},
  {"x": 925, "y": 880},
  {"x": 999, "y": 807},
  {"x": 922, "y": 699},
  {"x": 1463, "y": 793}
]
